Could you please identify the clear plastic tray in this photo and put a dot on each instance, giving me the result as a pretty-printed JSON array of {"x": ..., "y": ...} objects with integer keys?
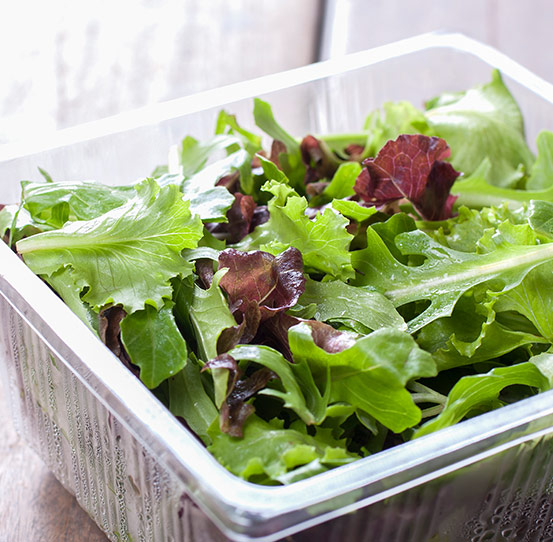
[{"x": 142, "y": 476}]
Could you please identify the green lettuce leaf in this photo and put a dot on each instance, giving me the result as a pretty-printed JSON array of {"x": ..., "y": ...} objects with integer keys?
[
  {"x": 54, "y": 203},
  {"x": 323, "y": 242},
  {"x": 19, "y": 223},
  {"x": 227, "y": 124},
  {"x": 476, "y": 192},
  {"x": 483, "y": 122},
  {"x": 210, "y": 315},
  {"x": 268, "y": 451},
  {"x": 541, "y": 174},
  {"x": 394, "y": 119},
  {"x": 353, "y": 210},
  {"x": 472, "y": 334},
  {"x": 64, "y": 284},
  {"x": 482, "y": 391},
  {"x": 126, "y": 256},
  {"x": 154, "y": 343},
  {"x": 189, "y": 399},
  {"x": 290, "y": 161},
  {"x": 371, "y": 375},
  {"x": 193, "y": 155},
  {"x": 336, "y": 301},
  {"x": 341, "y": 185},
  {"x": 444, "y": 275}
]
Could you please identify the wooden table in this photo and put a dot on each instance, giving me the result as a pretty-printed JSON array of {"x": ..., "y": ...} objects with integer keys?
[{"x": 34, "y": 506}]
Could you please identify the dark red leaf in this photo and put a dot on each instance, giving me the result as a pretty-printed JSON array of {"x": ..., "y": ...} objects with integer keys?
[
  {"x": 316, "y": 188},
  {"x": 240, "y": 217},
  {"x": 224, "y": 361},
  {"x": 109, "y": 330},
  {"x": 436, "y": 202},
  {"x": 204, "y": 270},
  {"x": 231, "y": 182},
  {"x": 274, "y": 283},
  {"x": 260, "y": 216},
  {"x": 235, "y": 410},
  {"x": 410, "y": 167},
  {"x": 233, "y": 416},
  {"x": 354, "y": 151},
  {"x": 319, "y": 160},
  {"x": 277, "y": 148},
  {"x": 243, "y": 217}
]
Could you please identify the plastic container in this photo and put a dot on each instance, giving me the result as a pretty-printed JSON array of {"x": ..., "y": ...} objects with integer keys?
[{"x": 142, "y": 476}]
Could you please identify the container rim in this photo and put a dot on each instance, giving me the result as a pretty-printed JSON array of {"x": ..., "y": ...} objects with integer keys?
[{"x": 244, "y": 511}]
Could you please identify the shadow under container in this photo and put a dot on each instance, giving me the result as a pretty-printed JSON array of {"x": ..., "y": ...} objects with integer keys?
[{"x": 138, "y": 473}]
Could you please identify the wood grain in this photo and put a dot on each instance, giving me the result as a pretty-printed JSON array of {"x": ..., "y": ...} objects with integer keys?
[{"x": 34, "y": 506}]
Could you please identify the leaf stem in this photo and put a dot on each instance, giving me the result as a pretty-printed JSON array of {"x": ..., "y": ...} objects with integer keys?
[
  {"x": 432, "y": 411},
  {"x": 424, "y": 394}
]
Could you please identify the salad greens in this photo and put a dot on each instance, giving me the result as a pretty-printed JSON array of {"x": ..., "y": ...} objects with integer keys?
[{"x": 308, "y": 302}]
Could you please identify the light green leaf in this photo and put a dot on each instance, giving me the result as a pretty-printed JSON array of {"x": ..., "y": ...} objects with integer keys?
[
  {"x": 483, "y": 122},
  {"x": 290, "y": 161},
  {"x": 394, "y": 119},
  {"x": 541, "y": 174},
  {"x": 476, "y": 192},
  {"x": 472, "y": 334},
  {"x": 19, "y": 223},
  {"x": 353, "y": 210},
  {"x": 336, "y": 301},
  {"x": 481, "y": 391},
  {"x": 267, "y": 451},
  {"x": 54, "y": 203},
  {"x": 341, "y": 185},
  {"x": 445, "y": 274},
  {"x": 227, "y": 124},
  {"x": 193, "y": 155},
  {"x": 264, "y": 118},
  {"x": 126, "y": 256},
  {"x": 64, "y": 284},
  {"x": 371, "y": 375},
  {"x": 210, "y": 315},
  {"x": 323, "y": 242}
]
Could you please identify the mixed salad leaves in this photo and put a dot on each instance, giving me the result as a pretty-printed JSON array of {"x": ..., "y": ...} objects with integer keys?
[{"x": 309, "y": 303}]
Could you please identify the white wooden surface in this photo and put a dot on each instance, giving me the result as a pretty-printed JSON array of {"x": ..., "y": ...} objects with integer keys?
[{"x": 521, "y": 29}]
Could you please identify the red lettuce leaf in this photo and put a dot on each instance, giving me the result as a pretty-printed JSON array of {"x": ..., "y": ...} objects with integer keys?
[
  {"x": 319, "y": 160},
  {"x": 273, "y": 283},
  {"x": 410, "y": 167},
  {"x": 258, "y": 286},
  {"x": 243, "y": 216},
  {"x": 109, "y": 330},
  {"x": 234, "y": 410}
]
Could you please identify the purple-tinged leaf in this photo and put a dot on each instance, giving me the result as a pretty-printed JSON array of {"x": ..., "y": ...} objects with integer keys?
[
  {"x": 274, "y": 283},
  {"x": 410, "y": 167},
  {"x": 329, "y": 339},
  {"x": 234, "y": 410},
  {"x": 242, "y": 218},
  {"x": 320, "y": 162}
]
